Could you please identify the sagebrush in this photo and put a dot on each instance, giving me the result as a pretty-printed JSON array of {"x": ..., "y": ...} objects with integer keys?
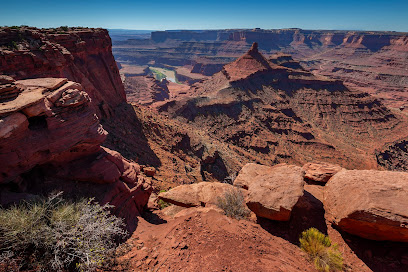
[
  {"x": 233, "y": 204},
  {"x": 53, "y": 234},
  {"x": 324, "y": 254}
]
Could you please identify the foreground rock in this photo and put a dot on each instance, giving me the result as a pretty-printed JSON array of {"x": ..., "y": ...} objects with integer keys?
[
  {"x": 273, "y": 191},
  {"x": 205, "y": 240},
  {"x": 250, "y": 173},
  {"x": 368, "y": 203},
  {"x": 198, "y": 194},
  {"x": 321, "y": 171},
  {"x": 50, "y": 138}
]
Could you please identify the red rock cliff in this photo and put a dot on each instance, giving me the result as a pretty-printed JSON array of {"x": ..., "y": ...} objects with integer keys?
[{"x": 79, "y": 54}]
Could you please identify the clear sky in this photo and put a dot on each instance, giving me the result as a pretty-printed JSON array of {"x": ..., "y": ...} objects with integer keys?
[{"x": 210, "y": 14}]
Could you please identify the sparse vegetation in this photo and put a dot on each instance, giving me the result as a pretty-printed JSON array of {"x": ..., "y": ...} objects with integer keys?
[
  {"x": 162, "y": 204},
  {"x": 65, "y": 28},
  {"x": 325, "y": 255},
  {"x": 233, "y": 204},
  {"x": 13, "y": 45},
  {"x": 52, "y": 234}
]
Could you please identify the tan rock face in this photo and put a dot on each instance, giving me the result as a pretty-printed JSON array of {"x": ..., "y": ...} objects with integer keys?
[
  {"x": 320, "y": 172},
  {"x": 368, "y": 203},
  {"x": 274, "y": 192},
  {"x": 198, "y": 194}
]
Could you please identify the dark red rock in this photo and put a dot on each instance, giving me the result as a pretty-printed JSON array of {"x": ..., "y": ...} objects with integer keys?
[{"x": 82, "y": 55}]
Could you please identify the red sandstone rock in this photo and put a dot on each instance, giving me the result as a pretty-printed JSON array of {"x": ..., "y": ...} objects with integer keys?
[
  {"x": 54, "y": 130},
  {"x": 251, "y": 172},
  {"x": 51, "y": 126},
  {"x": 274, "y": 192},
  {"x": 81, "y": 55},
  {"x": 149, "y": 171},
  {"x": 368, "y": 203},
  {"x": 321, "y": 171}
]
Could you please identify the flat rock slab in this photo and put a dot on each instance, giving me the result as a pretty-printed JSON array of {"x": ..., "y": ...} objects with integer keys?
[
  {"x": 274, "y": 193},
  {"x": 369, "y": 203},
  {"x": 48, "y": 83},
  {"x": 320, "y": 172},
  {"x": 250, "y": 172},
  {"x": 25, "y": 99}
]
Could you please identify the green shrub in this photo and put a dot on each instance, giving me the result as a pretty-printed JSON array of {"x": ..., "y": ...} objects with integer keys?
[
  {"x": 320, "y": 249},
  {"x": 233, "y": 204},
  {"x": 65, "y": 28},
  {"x": 52, "y": 234},
  {"x": 161, "y": 203}
]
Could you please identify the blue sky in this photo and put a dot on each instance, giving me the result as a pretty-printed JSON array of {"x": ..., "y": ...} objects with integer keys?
[{"x": 210, "y": 14}]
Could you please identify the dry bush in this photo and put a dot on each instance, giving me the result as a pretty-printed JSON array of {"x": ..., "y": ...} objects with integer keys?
[
  {"x": 52, "y": 234},
  {"x": 233, "y": 204},
  {"x": 323, "y": 253}
]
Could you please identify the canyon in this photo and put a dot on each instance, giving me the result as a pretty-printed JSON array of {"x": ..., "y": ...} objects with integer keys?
[
  {"x": 373, "y": 62},
  {"x": 286, "y": 117}
]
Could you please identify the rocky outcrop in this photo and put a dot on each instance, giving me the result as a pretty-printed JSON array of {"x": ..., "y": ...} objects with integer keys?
[
  {"x": 146, "y": 90},
  {"x": 198, "y": 194},
  {"x": 368, "y": 203},
  {"x": 320, "y": 172},
  {"x": 394, "y": 156},
  {"x": 273, "y": 193},
  {"x": 207, "y": 69},
  {"x": 48, "y": 127},
  {"x": 81, "y": 55},
  {"x": 49, "y": 120}
]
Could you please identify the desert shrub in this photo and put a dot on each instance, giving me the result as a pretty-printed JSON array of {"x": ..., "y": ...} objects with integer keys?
[
  {"x": 161, "y": 203},
  {"x": 233, "y": 204},
  {"x": 65, "y": 28},
  {"x": 52, "y": 234},
  {"x": 324, "y": 254}
]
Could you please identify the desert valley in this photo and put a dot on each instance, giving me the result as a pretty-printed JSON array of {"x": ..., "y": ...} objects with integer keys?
[{"x": 216, "y": 150}]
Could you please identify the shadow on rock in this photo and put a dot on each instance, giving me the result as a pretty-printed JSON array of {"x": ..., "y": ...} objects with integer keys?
[
  {"x": 379, "y": 256},
  {"x": 308, "y": 212},
  {"x": 153, "y": 218},
  {"x": 127, "y": 136}
]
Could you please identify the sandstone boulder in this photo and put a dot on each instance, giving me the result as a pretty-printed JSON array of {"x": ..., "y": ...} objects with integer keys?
[
  {"x": 149, "y": 171},
  {"x": 368, "y": 203},
  {"x": 198, "y": 194},
  {"x": 250, "y": 172},
  {"x": 274, "y": 192},
  {"x": 321, "y": 171}
]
